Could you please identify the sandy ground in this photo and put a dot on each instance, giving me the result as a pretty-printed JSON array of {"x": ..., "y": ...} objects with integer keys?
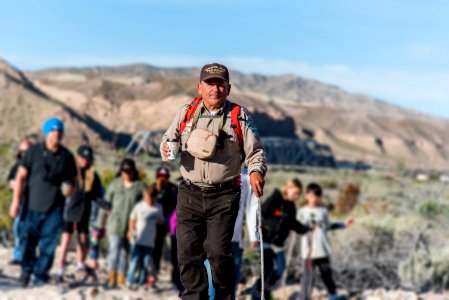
[
  {"x": 10, "y": 289},
  {"x": 90, "y": 290}
]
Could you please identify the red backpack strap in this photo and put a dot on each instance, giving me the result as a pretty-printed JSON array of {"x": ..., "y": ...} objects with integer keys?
[
  {"x": 235, "y": 124},
  {"x": 189, "y": 113}
]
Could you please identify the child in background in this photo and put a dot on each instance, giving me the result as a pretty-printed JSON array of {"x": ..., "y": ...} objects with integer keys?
[
  {"x": 123, "y": 193},
  {"x": 142, "y": 233},
  {"x": 77, "y": 213},
  {"x": 278, "y": 219},
  {"x": 315, "y": 246}
]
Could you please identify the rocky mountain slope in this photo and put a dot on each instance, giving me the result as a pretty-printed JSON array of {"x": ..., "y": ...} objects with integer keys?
[
  {"x": 24, "y": 107},
  {"x": 111, "y": 103}
]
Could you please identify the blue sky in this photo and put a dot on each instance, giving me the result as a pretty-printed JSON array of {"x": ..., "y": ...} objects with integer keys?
[{"x": 397, "y": 51}]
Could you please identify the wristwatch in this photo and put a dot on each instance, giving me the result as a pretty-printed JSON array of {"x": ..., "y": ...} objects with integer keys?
[{"x": 257, "y": 169}]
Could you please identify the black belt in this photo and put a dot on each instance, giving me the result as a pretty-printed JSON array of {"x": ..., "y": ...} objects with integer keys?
[{"x": 234, "y": 183}]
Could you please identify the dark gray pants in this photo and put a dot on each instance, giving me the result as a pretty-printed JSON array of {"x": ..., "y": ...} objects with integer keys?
[
  {"x": 205, "y": 225},
  {"x": 118, "y": 254},
  {"x": 307, "y": 280}
]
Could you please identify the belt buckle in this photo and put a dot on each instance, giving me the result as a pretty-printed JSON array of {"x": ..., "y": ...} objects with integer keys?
[{"x": 206, "y": 189}]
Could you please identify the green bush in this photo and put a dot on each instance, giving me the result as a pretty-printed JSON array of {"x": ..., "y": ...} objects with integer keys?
[
  {"x": 107, "y": 176},
  {"x": 6, "y": 151},
  {"x": 5, "y": 201},
  {"x": 431, "y": 209}
]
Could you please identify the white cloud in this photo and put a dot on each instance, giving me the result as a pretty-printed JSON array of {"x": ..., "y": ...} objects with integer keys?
[
  {"x": 401, "y": 86},
  {"x": 428, "y": 52}
]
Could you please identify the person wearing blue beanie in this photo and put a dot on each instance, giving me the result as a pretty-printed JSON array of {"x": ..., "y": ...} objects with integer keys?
[
  {"x": 53, "y": 124},
  {"x": 49, "y": 172}
]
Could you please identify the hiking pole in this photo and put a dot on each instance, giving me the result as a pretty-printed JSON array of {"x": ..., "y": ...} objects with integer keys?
[
  {"x": 291, "y": 246},
  {"x": 262, "y": 266}
]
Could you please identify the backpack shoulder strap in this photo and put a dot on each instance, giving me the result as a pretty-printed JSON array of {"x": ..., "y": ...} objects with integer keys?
[
  {"x": 190, "y": 111},
  {"x": 235, "y": 124},
  {"x": 235, "y": 114}
]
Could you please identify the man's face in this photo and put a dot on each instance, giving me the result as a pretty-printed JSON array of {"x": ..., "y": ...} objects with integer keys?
[
  {"x": 126, "y": 176},
  {"x": 83, "y": 162},
  {"x": 312, "y": 199},
  {"x": 24, "y": 147},
  {"x": 148, "y": 199},
  {"x": 214, "y": 91},
  {"x": 293, "y": 193},
  {"x": 162, "y": 180},
  {"x": 54, "y": 137}
]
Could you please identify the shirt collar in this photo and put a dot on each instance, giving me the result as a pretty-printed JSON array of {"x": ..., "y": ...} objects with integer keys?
[{"x": 217, "y": 112}]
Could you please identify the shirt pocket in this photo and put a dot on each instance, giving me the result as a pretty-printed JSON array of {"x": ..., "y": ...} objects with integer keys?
[
  {"x": 184, "y": 137},
  {"x": 232, "y": 136},
  {"x": 231, "y": 143}
]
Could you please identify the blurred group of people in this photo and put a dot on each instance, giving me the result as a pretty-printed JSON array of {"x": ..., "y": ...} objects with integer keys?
[
  {"x": 56, "y": 194},
  {"x": 280, "y": 216},
  {"x": 311, "y": 221}
]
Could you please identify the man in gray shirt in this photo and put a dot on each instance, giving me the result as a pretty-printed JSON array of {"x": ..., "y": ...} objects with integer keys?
[{"x": 209, "y": 195}]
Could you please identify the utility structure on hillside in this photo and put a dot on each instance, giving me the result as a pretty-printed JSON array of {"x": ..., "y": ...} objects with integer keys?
[
  {"x": 279, "y": 150},
  {"x": 148, "y": 141},
  {"x": 295, "y": 151}
]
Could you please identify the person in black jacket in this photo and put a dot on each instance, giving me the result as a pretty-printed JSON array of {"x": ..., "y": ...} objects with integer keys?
[
  {"x": 18, "y": 251},
  {"x": 167, "y": 194},
  {"x": 78, "y": 210},
  {"x": 278, "y": 219}
]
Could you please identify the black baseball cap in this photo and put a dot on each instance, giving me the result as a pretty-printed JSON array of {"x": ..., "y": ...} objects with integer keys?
[
  {"x": 86, "y": 152},
  {"x": 214, "y": 70},
  {"x": 128, "y": 165}
]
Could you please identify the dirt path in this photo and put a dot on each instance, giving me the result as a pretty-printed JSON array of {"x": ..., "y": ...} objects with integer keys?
[{"x": 10, "y": 288}]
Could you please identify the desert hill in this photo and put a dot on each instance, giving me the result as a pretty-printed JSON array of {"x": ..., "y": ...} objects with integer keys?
[
  {"x": 23, "y": 107},
  {"x": 109, "y": 104}
]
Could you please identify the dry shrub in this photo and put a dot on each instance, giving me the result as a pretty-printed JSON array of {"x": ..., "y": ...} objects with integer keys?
[
  {"x": 347, "y": 198},
  {"x": 367, "y": 259},
  {"x": 391, "y": 180},
  {"x": 416, "y": 271},
  {"x": 374, "y": 205},
  {"x": 328, "y": 184},
  {"x": 424, "y": 270},
  {"x": 440, "y": 278}
]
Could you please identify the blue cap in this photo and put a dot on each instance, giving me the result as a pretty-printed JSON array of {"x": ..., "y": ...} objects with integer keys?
[{"x": 51, "y": 125}]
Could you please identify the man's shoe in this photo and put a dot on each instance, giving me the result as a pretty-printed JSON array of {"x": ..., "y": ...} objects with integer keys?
[
  {"x": 59, "y": 279},
  {"x": 151, "y": 284},
  {"x": 24, "y": 279},
  {"x": 112, "y": 280},
  {"x": 14, "y": 262},
  {"x": 151, "y": 281},
  {"x": 121, "y": 280},
  {"x": 38, "y": 281},
  {"x": 81, "y": 274},
  {"x": 90, "y": 273}
]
